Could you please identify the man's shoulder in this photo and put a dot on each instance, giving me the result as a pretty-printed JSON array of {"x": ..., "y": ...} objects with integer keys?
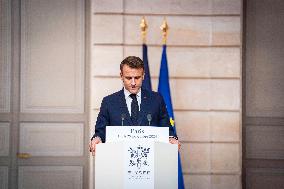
[
  {"x": 149, "y": 93},
  {"x": 114, "y": 95}
]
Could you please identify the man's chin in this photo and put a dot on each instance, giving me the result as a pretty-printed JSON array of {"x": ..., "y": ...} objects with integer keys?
[{"x": 133, "y": 91}]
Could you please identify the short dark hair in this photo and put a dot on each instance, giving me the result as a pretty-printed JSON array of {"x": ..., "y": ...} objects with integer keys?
[{"x": 133, "y": 62}]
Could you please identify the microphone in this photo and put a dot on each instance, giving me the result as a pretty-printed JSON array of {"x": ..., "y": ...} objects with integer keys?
[
  {"x": 149, "y": 118},
  {"x": 122, "y": 118}
]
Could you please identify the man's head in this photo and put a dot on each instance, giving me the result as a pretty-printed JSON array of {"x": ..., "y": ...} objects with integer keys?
[{"x": 132, "y": 73}]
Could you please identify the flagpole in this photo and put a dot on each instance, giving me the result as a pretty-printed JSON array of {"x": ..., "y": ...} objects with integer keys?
[
  {"x": 164, "y": 89},
  {"x": 146, "y": 84},
  {"x": 143, "y": 27},
  {"x": 164, "y": 27}
]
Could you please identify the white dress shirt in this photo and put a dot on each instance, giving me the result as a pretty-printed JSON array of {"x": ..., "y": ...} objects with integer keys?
[{"x": 128, "y": 99}]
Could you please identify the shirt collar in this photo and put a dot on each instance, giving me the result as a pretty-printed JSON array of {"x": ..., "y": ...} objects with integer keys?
[{"x": 127, "y": 93}]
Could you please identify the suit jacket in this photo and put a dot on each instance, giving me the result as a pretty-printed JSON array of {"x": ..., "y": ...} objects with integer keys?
[{"x": 114, "y": 107}]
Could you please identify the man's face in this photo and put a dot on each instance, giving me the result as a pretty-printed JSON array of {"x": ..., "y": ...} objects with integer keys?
[{"x": 132, "y": 78}]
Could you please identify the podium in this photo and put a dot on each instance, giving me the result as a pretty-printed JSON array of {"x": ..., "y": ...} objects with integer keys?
[{"x": 136, "y": 161}]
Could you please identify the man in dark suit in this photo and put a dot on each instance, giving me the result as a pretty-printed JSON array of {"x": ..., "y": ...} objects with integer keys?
[{"x": 132, "y": 105}]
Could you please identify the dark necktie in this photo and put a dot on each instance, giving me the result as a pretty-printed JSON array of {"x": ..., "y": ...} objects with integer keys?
[{"x": 134, "y": 109}]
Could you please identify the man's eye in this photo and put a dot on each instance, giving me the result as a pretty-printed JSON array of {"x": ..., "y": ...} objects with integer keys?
[
  {"x": 128, "y": 78},
  {"x": 138, "y": 77}
]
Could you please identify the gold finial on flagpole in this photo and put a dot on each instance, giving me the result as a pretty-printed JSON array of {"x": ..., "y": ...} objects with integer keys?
[
  {"x": 143, "y": 26},
  {"x": 164, "y": 27}
]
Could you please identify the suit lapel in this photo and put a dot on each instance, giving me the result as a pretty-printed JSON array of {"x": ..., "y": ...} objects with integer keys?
[
  {"x": 124, "y": 109},
  {"x": 144, "y": 106}
]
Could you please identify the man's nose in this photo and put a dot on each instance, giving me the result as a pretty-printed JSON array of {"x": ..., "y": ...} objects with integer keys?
[{"x": 132, "y": 81}]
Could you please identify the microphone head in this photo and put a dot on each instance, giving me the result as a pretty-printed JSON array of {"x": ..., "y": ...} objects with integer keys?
[
  {"x": 149, "y": 117},
  {"x": 123, "y": 116}
]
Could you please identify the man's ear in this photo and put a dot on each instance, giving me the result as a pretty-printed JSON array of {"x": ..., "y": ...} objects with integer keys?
[
  {"x": 143, "y": 76},
  {"x": 121, "y": 75}
]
